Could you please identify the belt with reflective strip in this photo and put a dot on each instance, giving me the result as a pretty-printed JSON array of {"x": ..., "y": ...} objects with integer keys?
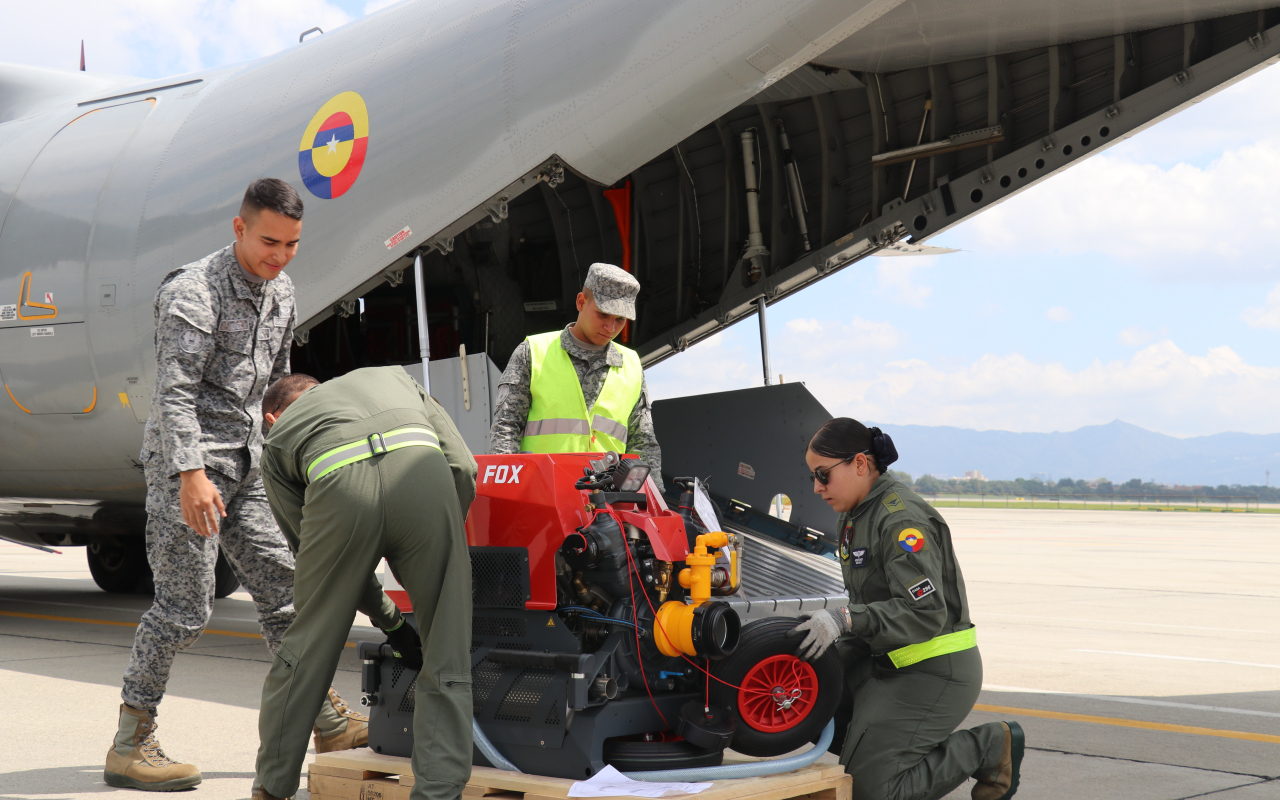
[
  {"x": 937, "y": 646},
  {"x": 376, "y": 444},
  {"x": 579, "y": 427}
]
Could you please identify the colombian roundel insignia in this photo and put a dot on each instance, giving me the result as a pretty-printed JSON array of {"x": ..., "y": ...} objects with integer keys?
[
  {"x": 333, "y": 147},
  {"x": 911, "y": 540}
]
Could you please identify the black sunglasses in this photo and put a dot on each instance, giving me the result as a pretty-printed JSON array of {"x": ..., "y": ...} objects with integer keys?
[{"x": 823, "y": 474}]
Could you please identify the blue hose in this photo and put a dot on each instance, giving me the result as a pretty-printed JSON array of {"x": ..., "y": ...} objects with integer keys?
[{"x": 754, "y": 769}]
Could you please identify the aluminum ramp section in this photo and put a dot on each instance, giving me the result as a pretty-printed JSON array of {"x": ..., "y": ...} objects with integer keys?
[{"x": 779, "y": 580}]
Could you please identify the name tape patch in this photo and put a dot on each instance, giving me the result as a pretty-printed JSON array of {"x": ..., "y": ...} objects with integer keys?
[
  {"x": 235, "y": 325},
  {"x": 922, "y": 589}
]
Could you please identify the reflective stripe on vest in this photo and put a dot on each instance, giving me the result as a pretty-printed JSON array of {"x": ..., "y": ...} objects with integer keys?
[
  {"x": 559, "y": 421},
  {"x": 937, "y": 646},
  {"x": 375, "y": 444}
]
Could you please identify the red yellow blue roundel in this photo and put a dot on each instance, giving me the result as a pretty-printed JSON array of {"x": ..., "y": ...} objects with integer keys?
[
  {"x": 911, "y": 540},
  {"x": 333, "y": 147}
]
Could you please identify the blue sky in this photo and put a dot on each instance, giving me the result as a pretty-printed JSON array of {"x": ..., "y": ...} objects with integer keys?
[{"x": 1140, "y": 285}]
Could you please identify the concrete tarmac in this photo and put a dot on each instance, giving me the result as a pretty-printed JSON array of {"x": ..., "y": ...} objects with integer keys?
[{"x": 1140, "y": 651}]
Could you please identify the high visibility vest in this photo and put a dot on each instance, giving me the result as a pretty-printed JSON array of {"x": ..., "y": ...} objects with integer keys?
[{"x": 559, "y": 421}]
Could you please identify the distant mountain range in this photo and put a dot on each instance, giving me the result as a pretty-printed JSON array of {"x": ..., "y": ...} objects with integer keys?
[{"x": 1117, "y": 451}]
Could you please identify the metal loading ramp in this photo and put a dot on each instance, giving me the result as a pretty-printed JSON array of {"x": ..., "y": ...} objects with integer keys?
[{"x": 781, "y": 580}]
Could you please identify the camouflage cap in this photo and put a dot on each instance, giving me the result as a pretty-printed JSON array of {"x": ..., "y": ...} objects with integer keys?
[{"x": 614, "y": 289}]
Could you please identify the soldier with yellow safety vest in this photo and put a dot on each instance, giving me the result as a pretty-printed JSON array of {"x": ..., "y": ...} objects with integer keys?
[
  {"x": 910, "y": 653},
  {"x": 576, "y": 390}
]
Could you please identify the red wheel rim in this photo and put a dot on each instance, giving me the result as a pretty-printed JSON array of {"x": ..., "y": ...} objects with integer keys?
[{"x": 777, "y": 693}]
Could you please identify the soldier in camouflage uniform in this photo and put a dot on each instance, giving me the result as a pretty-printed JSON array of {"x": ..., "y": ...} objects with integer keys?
[
  {"x": 223, "y": 329},
  {"x": 606, "y": 302}
]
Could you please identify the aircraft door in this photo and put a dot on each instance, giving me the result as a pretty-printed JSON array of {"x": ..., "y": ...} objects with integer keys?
[{"x": 45, "y": 359}]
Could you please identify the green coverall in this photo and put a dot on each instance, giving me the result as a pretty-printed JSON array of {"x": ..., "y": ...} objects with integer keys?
[
  {"x": 899, "y": 741},
  {"x": 407, "y": 505}
]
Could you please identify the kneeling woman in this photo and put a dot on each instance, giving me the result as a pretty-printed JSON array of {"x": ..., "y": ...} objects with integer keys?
[{"x": 912, "y": 668}]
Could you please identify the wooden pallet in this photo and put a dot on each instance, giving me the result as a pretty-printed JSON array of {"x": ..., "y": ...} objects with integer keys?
[{"x": 365, "y": 775}]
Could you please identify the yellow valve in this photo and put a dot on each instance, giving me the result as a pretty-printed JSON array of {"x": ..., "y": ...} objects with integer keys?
[{"x": 675, "y": 635}]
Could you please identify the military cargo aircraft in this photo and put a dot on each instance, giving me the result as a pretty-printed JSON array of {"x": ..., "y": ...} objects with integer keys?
[{"x": 729, "y": 154}]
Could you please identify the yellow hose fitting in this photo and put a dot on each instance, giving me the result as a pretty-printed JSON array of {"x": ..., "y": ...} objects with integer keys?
[{"x": 675, "y": 633}]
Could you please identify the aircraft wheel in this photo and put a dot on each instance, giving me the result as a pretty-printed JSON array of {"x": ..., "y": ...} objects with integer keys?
[
  {"x": 120, "y": 567},
  {"x": 782, "y": 702},
  {"x": 224, "y": 577},
  {"x": 628, "y": 755}
]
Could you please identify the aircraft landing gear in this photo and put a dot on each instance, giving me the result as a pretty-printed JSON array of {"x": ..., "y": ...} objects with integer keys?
[{"x": 121, "y": 567}]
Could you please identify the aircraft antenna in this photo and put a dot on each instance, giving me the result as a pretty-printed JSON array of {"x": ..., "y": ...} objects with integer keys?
[{"x": 82, "y": 55}]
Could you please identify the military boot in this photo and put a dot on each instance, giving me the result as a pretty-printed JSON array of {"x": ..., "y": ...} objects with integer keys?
[
  {"x": 1001, "y": 783},
  {"x": 338, "y": 727},
  {"x": 262, "y": 794},
  {"x": 136, "y": 761}
]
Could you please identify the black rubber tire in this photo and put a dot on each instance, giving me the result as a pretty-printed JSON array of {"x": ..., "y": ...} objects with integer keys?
[
  {"x": 760, "y": 640},
  {"x": 120, "y": 567},
  {"x": 224, "y": 577},
  {"x": 631, "y": 756}
]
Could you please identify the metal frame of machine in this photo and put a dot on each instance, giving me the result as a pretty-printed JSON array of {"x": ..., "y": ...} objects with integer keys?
[{"x": 588, "y": 638}]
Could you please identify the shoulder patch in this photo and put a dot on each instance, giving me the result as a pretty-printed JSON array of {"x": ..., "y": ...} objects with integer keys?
[
  {"x": 893, "y": 502},
  {"x": 912, "y": 541},
  {"x": 191, "y": 340},
  {"x": 921, "y": 590}
]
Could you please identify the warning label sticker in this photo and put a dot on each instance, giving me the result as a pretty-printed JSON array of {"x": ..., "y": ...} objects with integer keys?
[
  {"x": 8, "y": 312},
  {"x": 746, "y": 471},
  {"x": 41, "y": 332}
]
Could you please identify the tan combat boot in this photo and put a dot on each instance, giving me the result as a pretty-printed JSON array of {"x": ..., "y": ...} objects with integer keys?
[
  {"x": 262, "y": 794},
  {"x": 1001, "y": 783},
  {"x": 349, "y": 729},
  {"x": 135, "y": 760}
]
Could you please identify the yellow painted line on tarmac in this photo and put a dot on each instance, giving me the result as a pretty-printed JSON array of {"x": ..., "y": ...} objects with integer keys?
[
  {"x": 49, "y": 618},
  {"x": 1130, "y": 723}
]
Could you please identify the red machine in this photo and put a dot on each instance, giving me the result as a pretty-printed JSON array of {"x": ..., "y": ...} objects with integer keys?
[{"x": 592, "y": 643}]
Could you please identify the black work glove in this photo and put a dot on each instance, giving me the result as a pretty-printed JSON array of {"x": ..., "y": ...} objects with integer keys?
[{"x": 406, "y": 645}]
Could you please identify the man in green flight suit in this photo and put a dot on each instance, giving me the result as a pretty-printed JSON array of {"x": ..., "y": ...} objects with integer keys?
[
  {"x": 363, "y": 467},
  {"x": 576, "y": 390}
]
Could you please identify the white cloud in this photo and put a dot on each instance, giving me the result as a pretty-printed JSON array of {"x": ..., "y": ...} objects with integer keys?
[
  {"x": 1059, "y": 314},
  {"x": 1138, "y": 336},
  {"x": 1180, "y": 222},
  {"x": 1266, "y": 317},
  {"x": 157, "y": 38},
  {"x": 893, "y": 276},
  {"x": 1160, "y": 388},
  {"x": 377, "y": 5}
]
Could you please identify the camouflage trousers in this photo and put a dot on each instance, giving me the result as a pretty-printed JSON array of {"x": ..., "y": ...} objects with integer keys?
[{"x": 182, "y": 563}]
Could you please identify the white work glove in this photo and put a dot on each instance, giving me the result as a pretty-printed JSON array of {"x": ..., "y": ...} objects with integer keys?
[{"x": 820, "y": 629}]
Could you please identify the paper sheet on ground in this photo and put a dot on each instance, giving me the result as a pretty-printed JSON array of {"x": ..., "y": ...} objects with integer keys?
[{"x": 608, "y": 782}]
